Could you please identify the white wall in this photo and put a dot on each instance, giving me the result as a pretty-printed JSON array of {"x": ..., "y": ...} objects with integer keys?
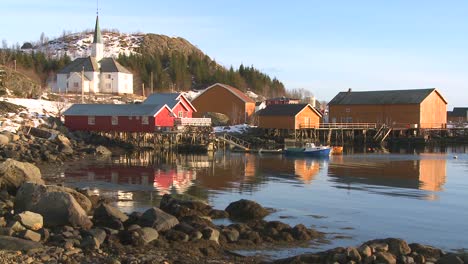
[{"x": 125, "y": 83}]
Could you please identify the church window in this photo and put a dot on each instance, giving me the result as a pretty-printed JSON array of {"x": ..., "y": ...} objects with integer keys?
[
  {"x": 108, "y": 85},
  {"x": 76, "y": 84},
  {"x": 108, "y": 76}
]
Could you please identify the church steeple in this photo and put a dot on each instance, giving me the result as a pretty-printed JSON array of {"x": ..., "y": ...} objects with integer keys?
[
  {"x": 97, "y": 32},
  {"x": 97, "y": 48}
]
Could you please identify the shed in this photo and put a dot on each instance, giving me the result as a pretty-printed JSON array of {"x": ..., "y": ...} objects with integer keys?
[
  {"x": 289, "y": 116},
  {"x": 416, "y": 108},
  {"x": 458, "y": 115},
  {"x": 118, "y": 117},
  {"x": 225, "y": 99}
]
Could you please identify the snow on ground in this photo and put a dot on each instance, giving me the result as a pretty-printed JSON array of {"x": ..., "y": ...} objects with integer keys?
[
  {"x": 251, "y": 94},
  {"x": 232, "y": 129},
  {"x": 190, "y": 95},
  {"x": 36, "y": 114}
]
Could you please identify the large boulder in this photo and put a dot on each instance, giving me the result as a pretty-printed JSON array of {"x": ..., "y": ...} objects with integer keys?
[
  {"x": 109, "y": 216},
  {"x": 246, "y": 210},
  {"x": 158, "y": 219},
  {"x": 82, "y": 199},
  {"x": 16, "y": 244},
  {"x": 103, "y": 151},
  {"x": 14, "y": 173},
  {"x": 57, "y": 207}
]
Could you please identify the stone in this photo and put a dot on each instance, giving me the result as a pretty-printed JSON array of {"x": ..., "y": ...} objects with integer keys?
[
  {"x": 397, "y": 247},
  {"x": 133, "y": 227},
  {"x": 80, "y": 198},
  {"x": 16, "y": 226},
  {"x": 299, "y": 232},
  {"x": 31, "y": 235},
  {"x": 353, "y": 254},
  {"x": 4, "y": 140},
  {"x": 148, "y": 234},
  {"x": 30, "y": 220},
  {"x": 158, "y": 219},
  {"x": 109, "y": 216},
  {"x": 426, "y": 251},
  {"x": 231, "y": 234},
  {"x": 449, "y": 259},
  {"x": 218, "y": 214},
  {"x": 6, "y": 231},
  {"x": 246, "y": 210},
  {"x": 90, "y": 242},
  {"x": 57, "y": 208},
  {"x": 378, "y": 246},
  {"x": 176, "y": 235},
  {"x": 385, "y": 258},
  {"x": 211, "y": 234},
  {"x": 365, "y": 251},
  {"x": 14, "y": 173},
  {"x": 99, "y": 234},
  {"x": 17, "y": 244},
  {"x": 103, "y": 151}
]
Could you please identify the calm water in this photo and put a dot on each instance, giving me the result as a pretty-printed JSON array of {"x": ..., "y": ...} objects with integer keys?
[{"x": 420, "y": 196}]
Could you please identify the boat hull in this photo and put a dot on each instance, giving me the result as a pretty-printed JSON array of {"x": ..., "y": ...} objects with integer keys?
[{"x": 323, "y": 152}]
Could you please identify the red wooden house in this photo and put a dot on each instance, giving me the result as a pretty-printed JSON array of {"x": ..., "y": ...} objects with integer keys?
[
  {"x": 119, "y": 118},
  {"x": 177, "y": 102}
]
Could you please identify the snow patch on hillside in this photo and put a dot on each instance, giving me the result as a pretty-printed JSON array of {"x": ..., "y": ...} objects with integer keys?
[{"x": 78, "y": 45}]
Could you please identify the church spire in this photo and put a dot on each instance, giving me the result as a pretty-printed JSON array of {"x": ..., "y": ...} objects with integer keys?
[{"x": 97, "y": 31}]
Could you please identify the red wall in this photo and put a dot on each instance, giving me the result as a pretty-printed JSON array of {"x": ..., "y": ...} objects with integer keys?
[
  {"x": 125, "y": 123},
  {"x": 164, "y": 118},
  {"x": 180, "y": 107},
  {"x": 187, "y": 103},
  {"x": 103, "y": 123}
]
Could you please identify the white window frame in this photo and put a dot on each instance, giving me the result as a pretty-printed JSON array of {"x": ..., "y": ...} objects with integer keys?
[
  {"x": 145, "y": 120},
  {"x": 114, "y": 120},
  {"x": 91, "y": 120},
  {"x": 181, "y": 114}
]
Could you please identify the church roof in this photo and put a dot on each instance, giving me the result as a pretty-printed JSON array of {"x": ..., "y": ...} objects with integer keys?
[
  {"x": 97, "y": 32},
  {"x": 111, "y": 65},
  {"x": 89, "y": 64}
]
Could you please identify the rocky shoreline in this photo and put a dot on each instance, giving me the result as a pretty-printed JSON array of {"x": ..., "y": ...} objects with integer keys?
[{"x": 42, "y": 223}]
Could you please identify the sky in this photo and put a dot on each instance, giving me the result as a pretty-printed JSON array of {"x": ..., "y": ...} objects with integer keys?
[{"x": 322, "y": 46}]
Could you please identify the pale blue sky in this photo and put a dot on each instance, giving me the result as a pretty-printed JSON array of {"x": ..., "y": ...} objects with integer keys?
[{"x": 323, "y": 46}]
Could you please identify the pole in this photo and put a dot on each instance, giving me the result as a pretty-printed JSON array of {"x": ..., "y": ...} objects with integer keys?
[
  {"x": 82, "y": 85},
  {"x": 152, "y": 90},
  {"x": 143, "y": 89}
]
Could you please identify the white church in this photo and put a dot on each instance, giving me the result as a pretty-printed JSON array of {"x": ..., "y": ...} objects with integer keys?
[{"x": 95, "y": 74}]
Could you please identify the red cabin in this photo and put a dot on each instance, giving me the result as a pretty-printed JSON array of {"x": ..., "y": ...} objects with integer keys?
[{"x": 119, "y": 118}]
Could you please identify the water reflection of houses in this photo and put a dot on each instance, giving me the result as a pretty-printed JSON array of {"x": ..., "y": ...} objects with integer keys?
[
  {"x": 427, "y": 173},
  {"x": 164, "y": 180}
]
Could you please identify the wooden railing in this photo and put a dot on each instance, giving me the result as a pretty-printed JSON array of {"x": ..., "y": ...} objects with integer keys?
[
  {"x": 192, "y": 122},
  {"x": 340, "y": 125}
]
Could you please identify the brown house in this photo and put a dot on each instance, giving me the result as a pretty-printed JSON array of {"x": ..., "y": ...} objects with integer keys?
[
  {"x": 289, "y": 116},
  {"x": 225, "y": 99},
  {"x": 418, "y": 108},
  {"x": 458, "y": 115}
]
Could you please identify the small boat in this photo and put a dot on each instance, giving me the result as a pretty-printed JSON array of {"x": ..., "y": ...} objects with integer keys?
[
  {"x": 337, "y": 150},
  {"x": 309, "y": 150}
]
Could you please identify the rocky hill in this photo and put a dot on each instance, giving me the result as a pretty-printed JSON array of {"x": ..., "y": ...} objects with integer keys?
[
  {"x": 79, "y": 45},
  {"x": 17, "y": 84}
]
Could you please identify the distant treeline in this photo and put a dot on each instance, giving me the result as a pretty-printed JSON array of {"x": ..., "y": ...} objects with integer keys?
[{"x": 176, "y": 71}]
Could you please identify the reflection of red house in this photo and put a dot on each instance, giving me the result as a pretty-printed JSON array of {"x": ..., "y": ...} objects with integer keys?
[{"x": 163, "y": 180}]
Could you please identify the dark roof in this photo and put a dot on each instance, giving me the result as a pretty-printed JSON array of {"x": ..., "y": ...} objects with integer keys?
[
  {"x": 282, "y": 99},
  {"x": 284, "y": 110},
  {"x": 459, "y": 112},
  {"x": 111, "y": 65},
  {"x": 89, "y": 64},
  {"x": 162, "y": 98},
  {"x": 112, "y": 110},
  {"x": 415, "y": 96},
  {"x": 97, "y": 32}
]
